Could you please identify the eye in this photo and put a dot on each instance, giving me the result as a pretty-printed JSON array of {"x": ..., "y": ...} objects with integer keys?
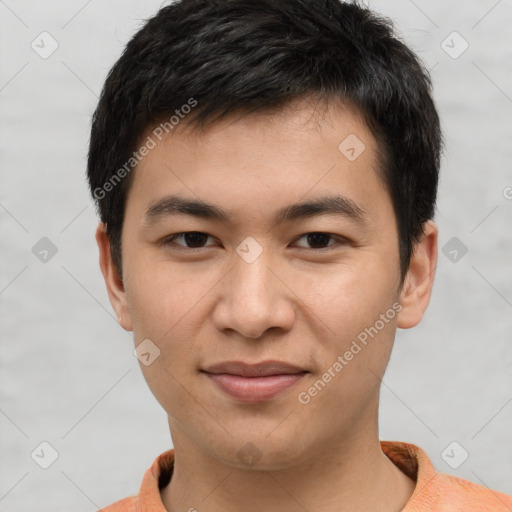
[
  {"x": 321, "y": 239},
  {"x": 192, "y": 239},
  {"x": 195, "y": 240}
]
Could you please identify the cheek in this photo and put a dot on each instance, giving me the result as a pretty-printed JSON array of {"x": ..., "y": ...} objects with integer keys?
[
  {"x": 359, "y": 306},
  {"x": 347, "y": 300},
  {"x": 168, "y": 300},
  {"x": 161, "y": 297},
  {"x": 163, "y": 306},
  {"x": 167, "y": 304},
  {"x": 353, "y": 355}
]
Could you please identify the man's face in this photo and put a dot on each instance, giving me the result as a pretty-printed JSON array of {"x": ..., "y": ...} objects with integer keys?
[{"x": 251, "y": 290}]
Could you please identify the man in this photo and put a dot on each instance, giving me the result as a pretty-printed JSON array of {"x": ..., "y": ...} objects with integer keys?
[{"x": 266, "y": 174}]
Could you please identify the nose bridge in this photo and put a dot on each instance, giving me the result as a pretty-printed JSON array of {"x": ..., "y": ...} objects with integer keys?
[
  {"x": 252, "y": 278},
  {"x": 254, "y": 299},
  {"x": 252, "y": 273}
]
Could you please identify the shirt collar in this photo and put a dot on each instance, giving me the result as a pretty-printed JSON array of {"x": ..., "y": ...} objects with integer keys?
[{"x": 409, "y": 458}]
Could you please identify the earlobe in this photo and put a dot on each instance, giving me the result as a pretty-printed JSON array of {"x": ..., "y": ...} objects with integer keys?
[
  {"x": 417, "y": 288},
  {"x": 113, "y": 281}
]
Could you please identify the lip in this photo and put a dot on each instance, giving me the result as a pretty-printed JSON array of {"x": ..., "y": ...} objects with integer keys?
[{"x": 252, "y": 383}]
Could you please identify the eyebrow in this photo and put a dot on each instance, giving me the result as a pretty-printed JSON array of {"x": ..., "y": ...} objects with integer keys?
[{"x": 329, "y": 205}]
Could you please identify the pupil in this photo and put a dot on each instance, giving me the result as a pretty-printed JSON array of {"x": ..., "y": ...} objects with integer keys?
[
  {"x": 195, "y": 239},
  {"x": 315, "y": 238}
]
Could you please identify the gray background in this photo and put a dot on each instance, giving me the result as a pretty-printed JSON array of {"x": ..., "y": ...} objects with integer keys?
[{"x": 67, "y": 372}]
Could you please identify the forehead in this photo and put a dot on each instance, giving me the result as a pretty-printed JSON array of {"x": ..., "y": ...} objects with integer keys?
[
  {"x": 305, "y": 148},
  {"x": 300, "y": 121}
]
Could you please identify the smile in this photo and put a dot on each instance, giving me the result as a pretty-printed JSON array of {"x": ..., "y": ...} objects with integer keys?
[{"x": 254, "y": 383}]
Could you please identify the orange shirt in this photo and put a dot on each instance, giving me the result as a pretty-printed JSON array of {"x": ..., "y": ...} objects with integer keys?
[{"x": 434, "y": 492}]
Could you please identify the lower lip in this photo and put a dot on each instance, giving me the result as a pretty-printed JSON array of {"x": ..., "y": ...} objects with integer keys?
[{"x": 254, "y": 389}]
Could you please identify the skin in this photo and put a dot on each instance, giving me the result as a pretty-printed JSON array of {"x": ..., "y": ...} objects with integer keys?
[{"x": 296, "y": 303}]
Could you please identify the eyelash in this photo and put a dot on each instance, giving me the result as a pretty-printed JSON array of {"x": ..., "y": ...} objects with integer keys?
[{"x": 170, "y": 240}]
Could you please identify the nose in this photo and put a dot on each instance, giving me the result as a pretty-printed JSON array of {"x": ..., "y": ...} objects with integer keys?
[{"x": 254, "y": 298}]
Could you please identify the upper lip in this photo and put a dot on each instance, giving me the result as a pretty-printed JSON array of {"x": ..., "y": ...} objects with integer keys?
[{"x": 263, "y": 369}]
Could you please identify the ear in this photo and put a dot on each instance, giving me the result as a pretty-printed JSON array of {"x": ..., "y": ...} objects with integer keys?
[
  {"x": 113, "y": 280},
  {"x": 417, "y": 287}
]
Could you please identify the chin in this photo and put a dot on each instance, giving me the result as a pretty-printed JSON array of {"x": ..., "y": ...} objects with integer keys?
[{"x": 262, "y": 453}]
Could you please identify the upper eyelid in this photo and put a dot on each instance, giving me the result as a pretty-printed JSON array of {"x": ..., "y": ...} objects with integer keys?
[{"x": 339, "y": 238}]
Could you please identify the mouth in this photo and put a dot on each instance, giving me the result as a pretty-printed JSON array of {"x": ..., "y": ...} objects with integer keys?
[{"x": 253, "y": 383}]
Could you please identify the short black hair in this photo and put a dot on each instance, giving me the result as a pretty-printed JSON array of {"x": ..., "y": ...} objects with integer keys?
[{"x": 228, "y": 56}]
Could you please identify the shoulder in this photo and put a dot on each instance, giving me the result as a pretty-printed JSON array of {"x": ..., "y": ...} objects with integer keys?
[
  {"x": 440, "y": 492},
  {"x": 459, "y": 494},
  {"x": 148, "y": 497},
  {"x": 124, "y": 505}
]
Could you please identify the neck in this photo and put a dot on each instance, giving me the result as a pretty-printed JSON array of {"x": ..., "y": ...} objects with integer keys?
[{"x": 353, "y": 475}]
